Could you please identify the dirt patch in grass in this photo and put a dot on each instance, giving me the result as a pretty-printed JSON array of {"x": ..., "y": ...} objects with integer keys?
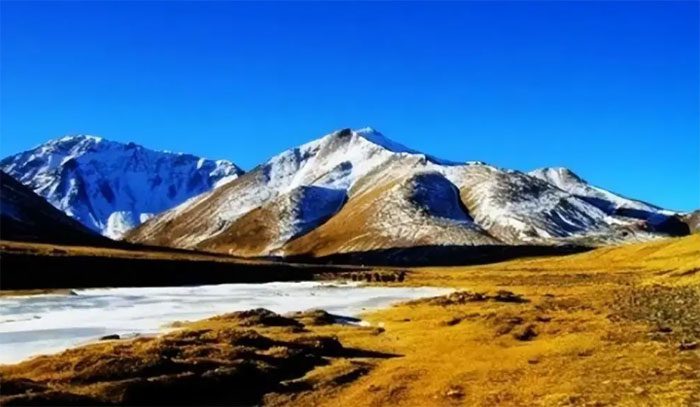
[
  {"x": 257, "y": 317},
  {"x": 464, "y": 297}
]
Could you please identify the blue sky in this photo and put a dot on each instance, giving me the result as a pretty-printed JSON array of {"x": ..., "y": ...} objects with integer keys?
[{"x": 609, "y": 90}]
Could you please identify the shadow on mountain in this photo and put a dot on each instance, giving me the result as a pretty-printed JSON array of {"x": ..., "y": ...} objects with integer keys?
[
  {"x": 671, "y": 225},
  {"x": 25, "y": 216},
  {"x": 454, "y": 255}
]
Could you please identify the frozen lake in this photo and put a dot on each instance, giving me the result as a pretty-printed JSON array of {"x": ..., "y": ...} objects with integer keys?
[{"x": 35, "y": 325}]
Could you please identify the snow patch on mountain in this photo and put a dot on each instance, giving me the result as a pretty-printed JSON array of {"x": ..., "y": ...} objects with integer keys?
[{"x": 120, "y": 222}]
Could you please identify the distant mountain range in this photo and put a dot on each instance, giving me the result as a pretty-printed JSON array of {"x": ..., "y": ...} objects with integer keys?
[
  {"x": 347, "y": 192},
  {"x": 111, "y": 187}
]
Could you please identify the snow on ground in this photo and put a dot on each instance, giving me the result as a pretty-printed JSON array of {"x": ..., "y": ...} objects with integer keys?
[{"x": 42, "y": 324}]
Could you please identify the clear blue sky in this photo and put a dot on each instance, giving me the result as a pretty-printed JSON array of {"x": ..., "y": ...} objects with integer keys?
[{"x": 608, "y": 89}]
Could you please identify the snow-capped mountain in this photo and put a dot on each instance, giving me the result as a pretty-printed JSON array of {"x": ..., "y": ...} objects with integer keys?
[
  {"x": 111, "y": 187},
  {"x": 353, "y": 191},
  {"x": 25, "y": 216}
]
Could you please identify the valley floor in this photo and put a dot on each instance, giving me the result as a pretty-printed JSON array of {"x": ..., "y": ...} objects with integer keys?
[{"x": 615, "y": 326}]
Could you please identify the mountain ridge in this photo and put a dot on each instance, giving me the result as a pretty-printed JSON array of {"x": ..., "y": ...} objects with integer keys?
[{"x": 507, "y": 207}]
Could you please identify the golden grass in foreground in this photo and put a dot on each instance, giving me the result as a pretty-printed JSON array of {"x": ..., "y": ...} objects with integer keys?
[
  {"x": 233, "y": 359},
  {"x": 609, "y": 328},
  {"x": 615, "y": 326}
]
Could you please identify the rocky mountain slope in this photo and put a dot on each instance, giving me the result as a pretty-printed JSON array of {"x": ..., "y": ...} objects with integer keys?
[
  {"x": 353, "y": 191},
  {"x": 25, "y": 216},
  {"x": 111, "y": 187},
  {"x": 693, "y": 221}
]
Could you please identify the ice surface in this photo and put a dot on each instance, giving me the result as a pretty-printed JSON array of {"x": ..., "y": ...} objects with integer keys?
[{"x": 42, "y": 324}]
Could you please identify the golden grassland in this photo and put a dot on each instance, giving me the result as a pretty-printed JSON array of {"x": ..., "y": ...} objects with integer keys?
[{"x": 614, "y": 326}]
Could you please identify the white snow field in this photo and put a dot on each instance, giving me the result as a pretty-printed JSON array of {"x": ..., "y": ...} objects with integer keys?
[{"x": 34, "y": 325}]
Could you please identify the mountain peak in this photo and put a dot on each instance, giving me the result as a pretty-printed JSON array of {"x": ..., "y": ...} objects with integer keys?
[
  {"x": 374, "y": 136},
  {"x": 378, "y": 139},
  {"x": 88, "y": 137},
  {"x": 557, "y": 175},
  {"x": 71, "y": 140}
]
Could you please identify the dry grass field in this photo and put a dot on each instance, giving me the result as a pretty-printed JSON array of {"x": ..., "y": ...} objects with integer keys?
[{"x": 614, "y": 326}]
